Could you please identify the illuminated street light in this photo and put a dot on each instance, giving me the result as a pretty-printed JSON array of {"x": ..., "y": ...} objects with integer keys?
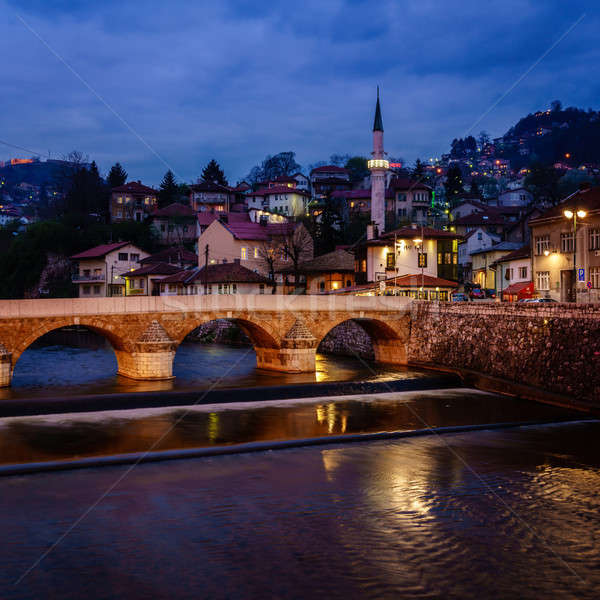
[
  {"x": 546, "y": 252},
  {"x": 573, "y": 214}
]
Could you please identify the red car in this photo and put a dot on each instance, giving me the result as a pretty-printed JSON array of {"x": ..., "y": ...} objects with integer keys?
[{"x": 476, "y": 294}]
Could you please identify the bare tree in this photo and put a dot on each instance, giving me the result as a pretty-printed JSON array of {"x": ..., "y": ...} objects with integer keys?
[
  {"x": 268, "y": 252},
  {"x": 298, "y": 247}
]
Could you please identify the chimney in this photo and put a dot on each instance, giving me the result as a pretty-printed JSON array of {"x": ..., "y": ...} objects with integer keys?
[{"x": 370, "y": 231}]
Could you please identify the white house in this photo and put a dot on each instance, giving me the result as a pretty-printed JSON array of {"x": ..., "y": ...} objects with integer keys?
[
  {"x": 515, "y": 197},
  {"x": 513, "y": 275},
  {"x": 98, "y": 271}
]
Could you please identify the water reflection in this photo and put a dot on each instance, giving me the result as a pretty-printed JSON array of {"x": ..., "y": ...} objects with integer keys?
[
  {"x": 30, "y": 439},
  {"x": 504, "y": 514},
  {"x": 61, "y": 370}
]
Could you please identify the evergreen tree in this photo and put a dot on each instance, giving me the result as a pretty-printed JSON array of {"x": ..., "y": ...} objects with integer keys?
[
  {"x": 213, "y": 173},
  {"x": 453, "y": 184},
  {"x": 116, "y": 176},
  {"x": 357, "y": 165},
  {"x": 418, "y": 173},
  {"x": 168, "y": 191}
]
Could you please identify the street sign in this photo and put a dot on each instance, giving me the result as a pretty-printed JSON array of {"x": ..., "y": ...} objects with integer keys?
[
  {"x": 580, "y": 274},
  {"x": 589, "y": 285}
]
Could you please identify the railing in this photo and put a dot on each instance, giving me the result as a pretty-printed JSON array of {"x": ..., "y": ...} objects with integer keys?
[{"x": 77, "y": 277}]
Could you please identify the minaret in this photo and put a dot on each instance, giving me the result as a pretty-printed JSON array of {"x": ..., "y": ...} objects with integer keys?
[{"x": 378, "y": 166}]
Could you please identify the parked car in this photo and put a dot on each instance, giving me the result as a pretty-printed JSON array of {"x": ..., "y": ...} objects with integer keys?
[
  {"x": 476, "y": 294},
  {"x": 489, "y": 293},
  {"x": 459, "y": 297},
  {"x": 540, "y": 300}
]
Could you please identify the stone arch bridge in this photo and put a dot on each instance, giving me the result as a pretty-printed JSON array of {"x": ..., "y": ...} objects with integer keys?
[{"x": 146, "y": 331}]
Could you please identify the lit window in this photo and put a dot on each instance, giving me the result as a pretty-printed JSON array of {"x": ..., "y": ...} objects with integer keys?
[
  {"x": 255, "y": 252},
  {"x": 542, "y": 280},
  {"x": 244, "y": 253}
]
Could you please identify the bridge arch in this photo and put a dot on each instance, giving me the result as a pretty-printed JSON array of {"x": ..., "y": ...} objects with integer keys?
[{"x": 387, "y": 338}]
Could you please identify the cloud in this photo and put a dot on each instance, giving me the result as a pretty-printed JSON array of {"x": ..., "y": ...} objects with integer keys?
[{"x": 237, "y": 80}]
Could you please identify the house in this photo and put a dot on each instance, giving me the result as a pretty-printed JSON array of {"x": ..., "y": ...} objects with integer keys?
[
  {"x": 176, "y": 255},
  {"x": 553, "y": 249},
  {"x": 261, "y": 247},
  {"x": 483, "y": 269},
  {"x": 515, "y": 197},
  {"x": 490, "y": 221},
  {"x": 325, "y": 273},
  {"x": 174, "y": 224},
  {"x": 132, "y": 201},
  {"x": 327, "y": 179},
  {"x": 424, "y": 287},
  {"x": 513, "y": 275},
  {"x": 476, "y": 239},
  {"x": 302, "y": 182},
  {"x": 280, "y": 199},
  {"x": 418, "y": 250},
  {"x": 98, "y": 271},
  {"x": 467, "y": 207},
  {"x": 204, "y": 219},
  {"x": 145, "y": 281},
  {"x": 206, "y": 196},
  {"x": 224, "y": 278}
]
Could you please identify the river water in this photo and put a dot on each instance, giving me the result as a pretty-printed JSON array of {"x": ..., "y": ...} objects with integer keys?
[
  {"x": 511, "y": 513},
  {"x": 489, "y": 514}
]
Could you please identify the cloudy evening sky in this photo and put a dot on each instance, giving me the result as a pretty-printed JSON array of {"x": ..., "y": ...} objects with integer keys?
[{"x": 236, "y": 80}]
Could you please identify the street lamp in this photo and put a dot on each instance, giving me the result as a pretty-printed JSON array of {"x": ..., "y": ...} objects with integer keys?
[
  {"x": 419, "y": 242},
  {"x": 573, "y": 214}
]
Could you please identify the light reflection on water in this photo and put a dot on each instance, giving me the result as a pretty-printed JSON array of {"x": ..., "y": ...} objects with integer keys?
[
  {"x": 65, "y": 371},
  {"x": 505, "y": 514}
]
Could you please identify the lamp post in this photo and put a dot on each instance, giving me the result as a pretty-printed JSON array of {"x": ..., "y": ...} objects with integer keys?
[
  {"x": 573, "y": 214},
  {"x": 419, "y": 247}
]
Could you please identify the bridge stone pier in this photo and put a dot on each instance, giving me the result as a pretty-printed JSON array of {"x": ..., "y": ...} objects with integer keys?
[{"x": 146, "y": 331}]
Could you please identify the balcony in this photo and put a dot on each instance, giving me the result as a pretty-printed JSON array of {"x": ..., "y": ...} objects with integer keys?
[{"x": 79, "y": 278}]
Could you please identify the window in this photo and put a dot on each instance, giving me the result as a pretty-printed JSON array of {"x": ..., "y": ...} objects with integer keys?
[
  {"x": 509, "y": 274},
  {"x": 479, "y": 235},
  {"x": 96, "y": 290},
  {"x": 123, "y": 256},
  {"x": 321, "y": 286},
  {"x": 594, "y": 239},
  {"x": 363, "y": 265},
  {"x": 244, "y": 253},
  {"x": 134, "y": 257},
  {"x": 542, "y": 242},
  {"x": 120, "y": 200},
  {"x": 234, "y": 288},
  {"x": 440, "y": 258},
  {"x": 86, "y": 273},
  {"x": 566, "y": 242},
  {"x": 595, "y": 277},
  {"x": 422, "y": 261},
  {"x": 142, "y": 284},
  {"x": 86, "y": 290},
  {"x": 522, "y": 272},
  {"x": 542, "y": 280},
  {"x": 261, "y": 288},
  {"x": 447, "y": 258},
  {"x": 390, "y": 260},
  {"x": 256, "y": 252}
]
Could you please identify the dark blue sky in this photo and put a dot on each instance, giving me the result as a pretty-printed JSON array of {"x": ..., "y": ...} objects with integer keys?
[{"x": 236, "y": 80}]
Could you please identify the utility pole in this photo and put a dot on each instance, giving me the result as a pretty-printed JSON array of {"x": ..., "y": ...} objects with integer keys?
[{"x": 206, "y": 269}]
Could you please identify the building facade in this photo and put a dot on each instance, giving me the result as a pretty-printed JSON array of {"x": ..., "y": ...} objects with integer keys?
[{"x": 132, "y": 202}]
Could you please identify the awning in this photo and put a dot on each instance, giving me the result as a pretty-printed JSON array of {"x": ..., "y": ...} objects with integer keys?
[{"x": 523, "y": 289}]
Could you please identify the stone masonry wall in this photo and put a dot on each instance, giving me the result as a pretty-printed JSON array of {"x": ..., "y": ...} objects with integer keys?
[
  {"x": 348, "y": 339},
  {"x": 555, "y": 347}
]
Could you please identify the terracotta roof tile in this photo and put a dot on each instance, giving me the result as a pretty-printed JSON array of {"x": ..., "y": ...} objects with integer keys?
[{"x": 100, "y": 251}]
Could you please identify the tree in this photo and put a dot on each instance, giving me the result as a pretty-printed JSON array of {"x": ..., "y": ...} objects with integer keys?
[
  {"x": 272, "y": 167},
  {"x": 357, "y": 165},
  {"x": 213, "y": 173},
  {"x": 168, "y": 191},
  {"x": 298, "y": 246},
  {"x": 418, "y": 173},
  {"x": 475, "y": 191},
  {"x": 339, "y": 159},
  {"x": 542, "y": 182},
  {"x": 453, "y": 184},
  {"x": 116, "y": 176},
  {"x": 87, "y": 196},
  {"x": 268, "y": 252}
]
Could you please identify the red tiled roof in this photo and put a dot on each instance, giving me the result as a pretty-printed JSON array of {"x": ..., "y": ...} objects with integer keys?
[
  {"x": 480, "y": 218},
  {"x": 219, "y": 273},
  {"x": 135, "y": 187},
  {"x": 256, "y": 231},
  {"x": 284, "y": 179},
  {"x": 209, "y": 186},
  {"x": 515, "y": 288},
  {"x": 402, "y": 183},
  {"x": 329, "y": 169},
  {"x": 175, "y": 210},
  {"x": 206, "y": 217},
  {"x": 159, "y": 268},
  {"x": 171, "y": 255},
  {"x": 100, "y": 251}
]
